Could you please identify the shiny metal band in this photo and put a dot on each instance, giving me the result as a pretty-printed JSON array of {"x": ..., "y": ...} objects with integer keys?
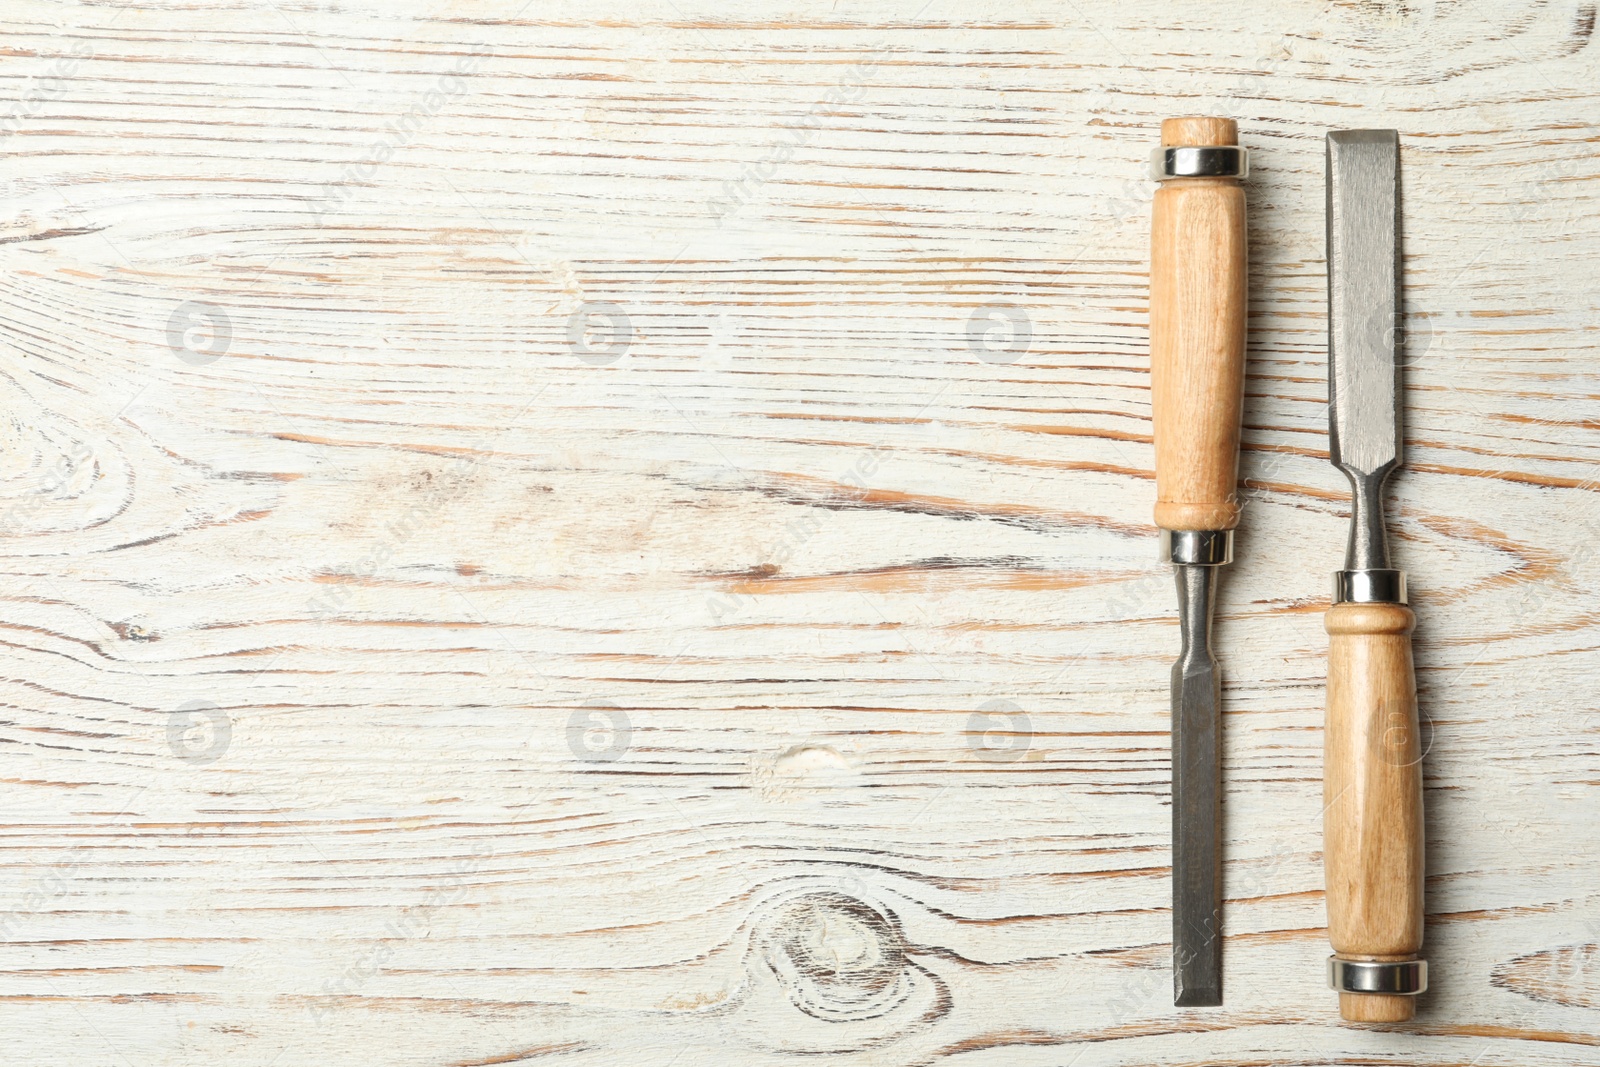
[
  {"x": 1199, "y": 161},
  {"x": 1402, "y": 977},
  {"x": 1369, "y": 587},
  {"x": 1202, "y": 548}
]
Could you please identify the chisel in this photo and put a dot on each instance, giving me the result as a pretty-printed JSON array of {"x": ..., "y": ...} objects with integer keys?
[
  {"x": 1197, "y": 342},
  {"x": 1372, "y": 775}
]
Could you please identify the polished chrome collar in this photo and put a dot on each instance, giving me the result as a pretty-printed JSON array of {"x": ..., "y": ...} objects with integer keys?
[
  {"x": 1199, "y": 161},
  {"x": 1378, "y": 585},
  {"x": 1405, "y": 977},
  {"x": 1197, "y": 548}
]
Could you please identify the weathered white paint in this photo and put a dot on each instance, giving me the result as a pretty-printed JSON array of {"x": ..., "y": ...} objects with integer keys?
[{"x": 779, "y": 666}]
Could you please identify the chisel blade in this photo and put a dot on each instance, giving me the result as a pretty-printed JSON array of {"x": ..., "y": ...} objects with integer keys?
[
  {"x": 1364, "y": 301},
  {"x": 1196, "y": 799}
]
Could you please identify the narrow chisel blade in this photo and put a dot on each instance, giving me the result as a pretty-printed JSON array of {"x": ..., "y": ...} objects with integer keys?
[{"x": 1196, "y": 799}]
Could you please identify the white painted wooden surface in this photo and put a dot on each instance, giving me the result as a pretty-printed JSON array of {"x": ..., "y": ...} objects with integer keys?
[{"x": 397, "y": 671}]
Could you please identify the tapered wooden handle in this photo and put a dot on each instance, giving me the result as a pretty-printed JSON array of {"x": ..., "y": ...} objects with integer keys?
[
  {"x": 1197, "y": 337},
  {"x": 1372, "y": 792}
]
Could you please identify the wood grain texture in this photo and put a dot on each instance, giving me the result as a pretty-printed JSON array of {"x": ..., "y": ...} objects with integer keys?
[
  {"x": 1372, "y": 797},
  {"x": 619, "y": 533},
  {"x": 1199, "y": 266}
]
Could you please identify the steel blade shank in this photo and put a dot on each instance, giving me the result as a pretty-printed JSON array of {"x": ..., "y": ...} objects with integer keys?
[{"x": 1196, "y": 799}]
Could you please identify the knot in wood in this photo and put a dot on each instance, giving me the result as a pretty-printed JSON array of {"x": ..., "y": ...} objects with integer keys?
[{"x": 836, "y": 957}]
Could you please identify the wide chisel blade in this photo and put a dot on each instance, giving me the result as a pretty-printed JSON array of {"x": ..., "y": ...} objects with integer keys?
[{"x": 1363, "y": 323}]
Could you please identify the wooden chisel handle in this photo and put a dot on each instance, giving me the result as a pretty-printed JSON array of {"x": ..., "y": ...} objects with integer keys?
[
  {"x": 1198, "y": 272},
  {"x": 1372, "y": 789}
]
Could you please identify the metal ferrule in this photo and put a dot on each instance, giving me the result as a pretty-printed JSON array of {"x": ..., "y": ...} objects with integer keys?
[
  {"x": 1199, "y": 161},
  {"x": 1197, "y": 548},
  {"x": 1395, "y": 977},
  {"x": 1378, "y": 585}
]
